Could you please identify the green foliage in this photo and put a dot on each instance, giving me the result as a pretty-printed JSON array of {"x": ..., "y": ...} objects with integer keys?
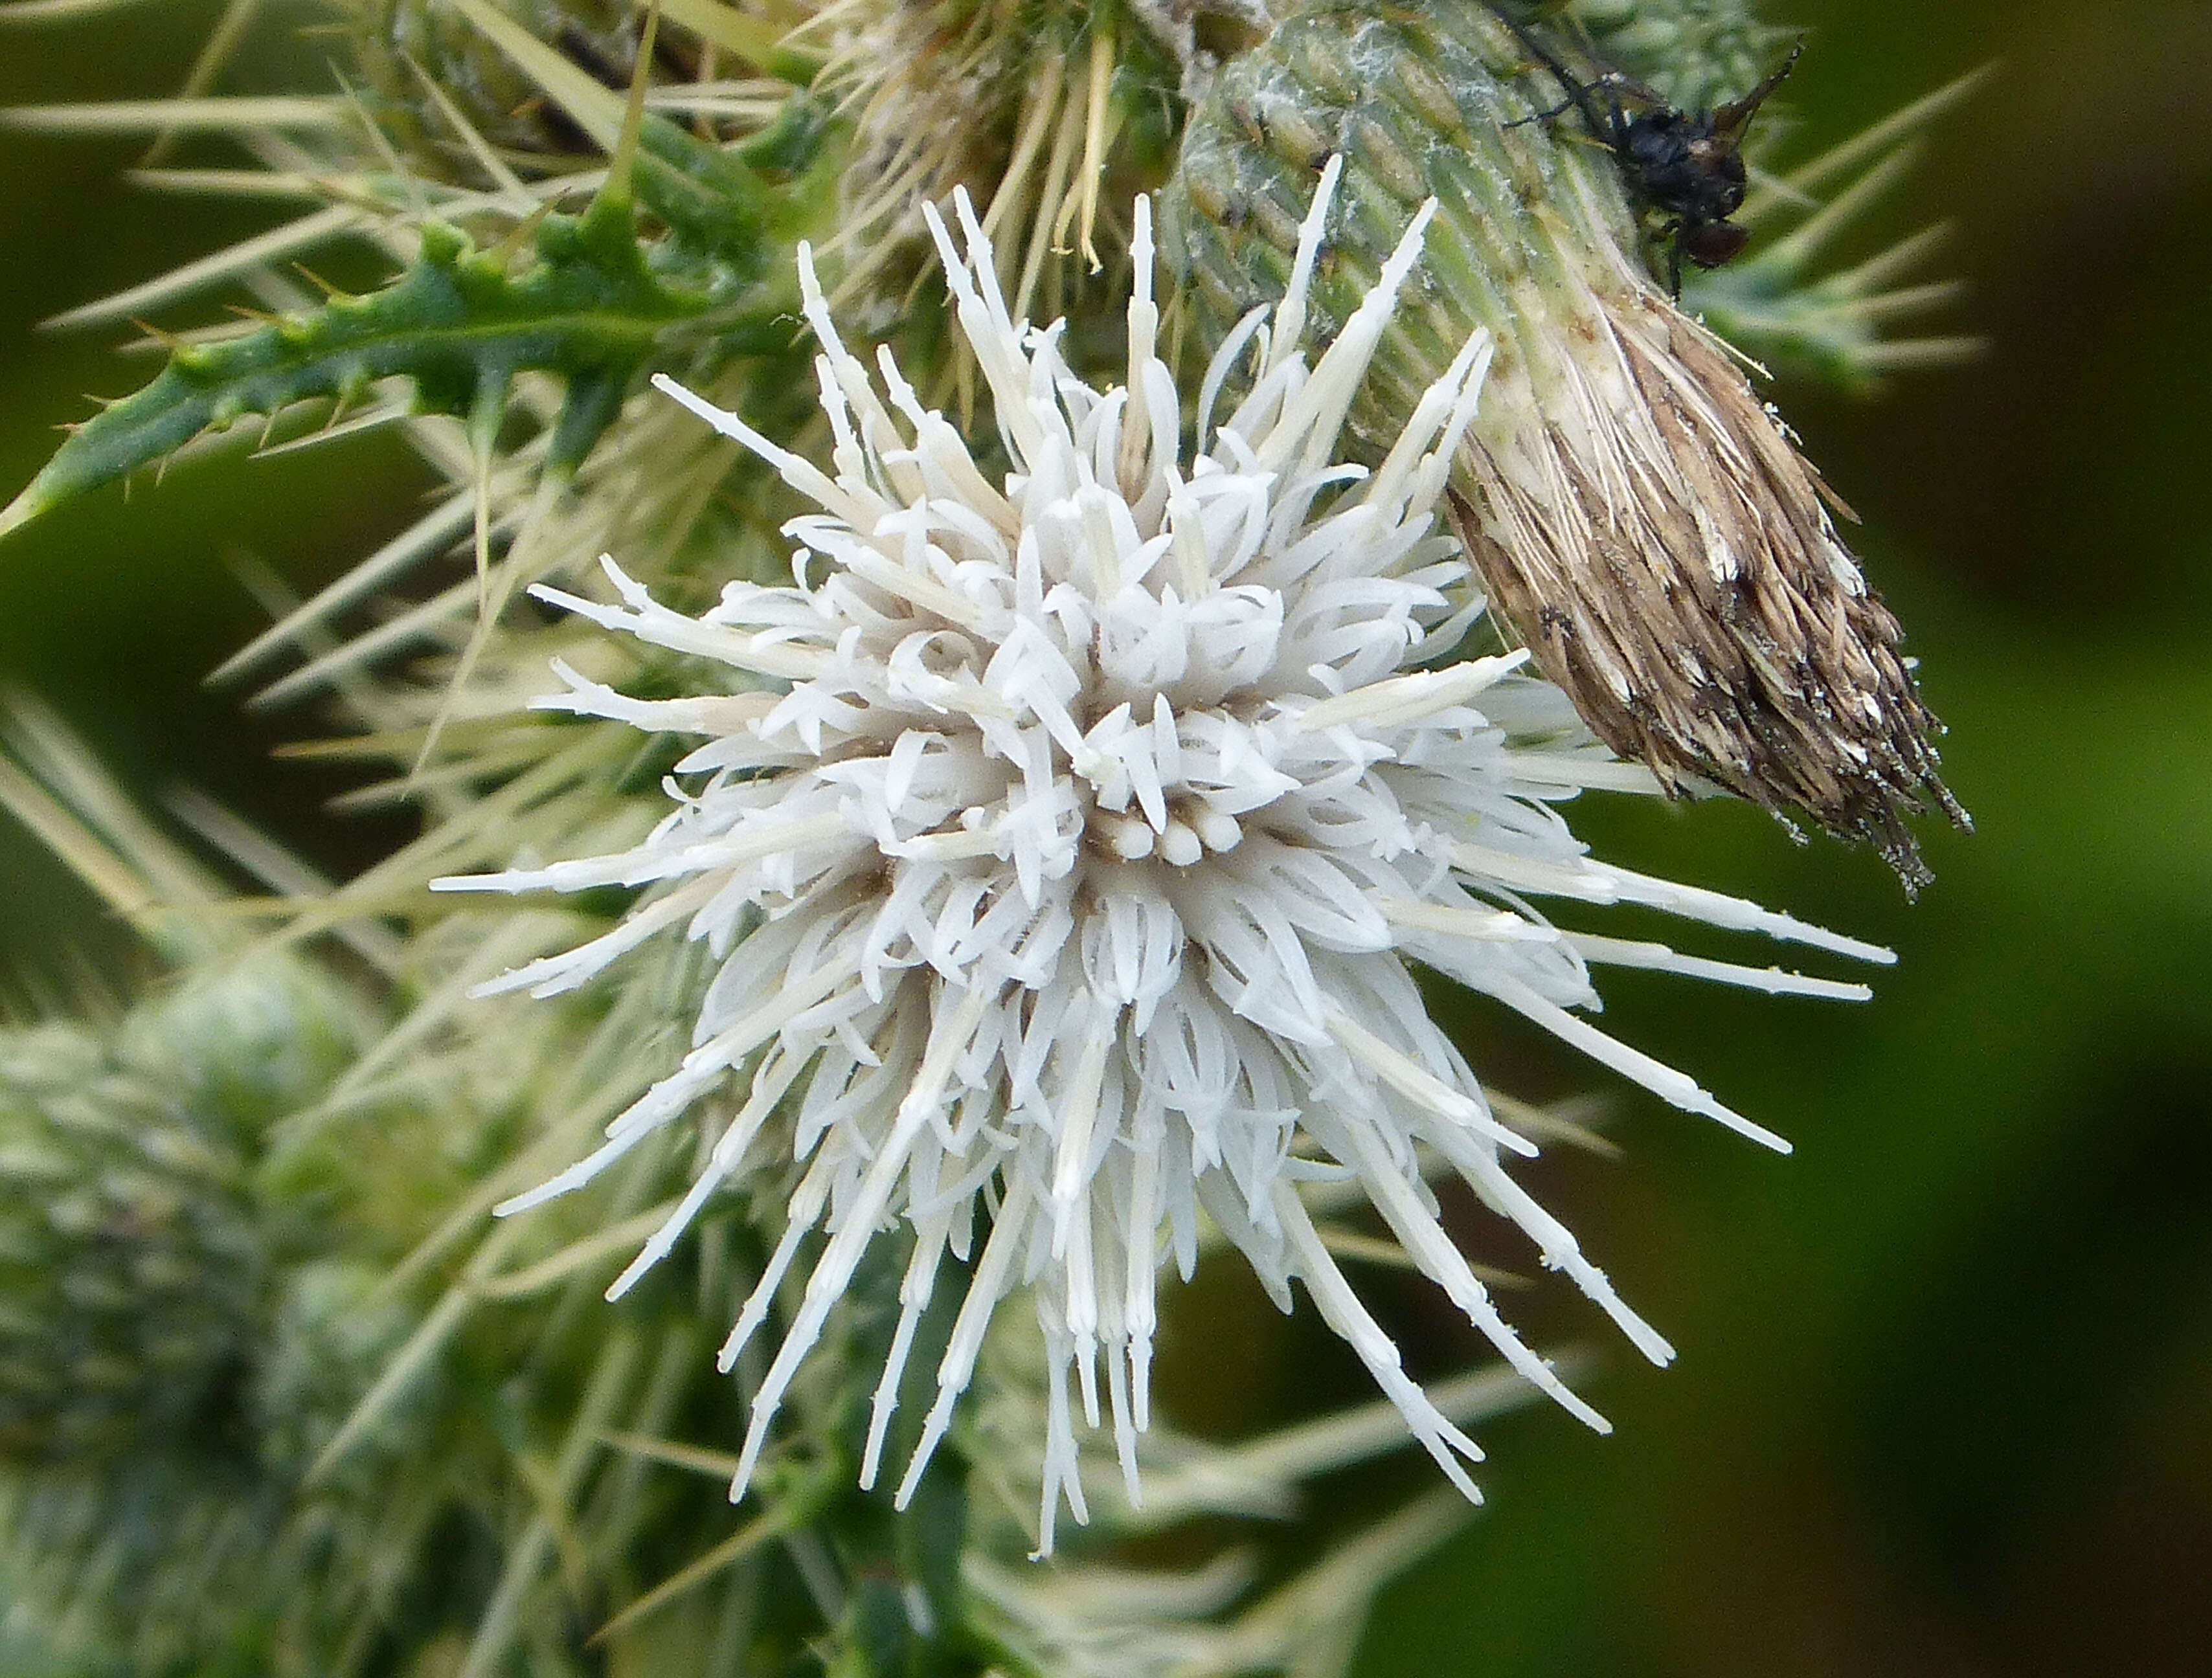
[
  {"x": 590, "y": 311},
  {"x": 732, "y": 215},
  {"x": 606, "y": 297}
]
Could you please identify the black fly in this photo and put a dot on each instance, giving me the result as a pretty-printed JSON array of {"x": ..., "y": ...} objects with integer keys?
[{"x": 1685, "y": 168}]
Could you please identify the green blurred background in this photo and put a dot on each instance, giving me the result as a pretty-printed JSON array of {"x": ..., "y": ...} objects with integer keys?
[{"x": 1944, "y": 1404}]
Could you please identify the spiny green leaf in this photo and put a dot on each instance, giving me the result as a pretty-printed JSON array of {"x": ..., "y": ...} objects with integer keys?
[
  {"x": 722, "y": 206},
  {"x": 595, "y": 308},
  {"x": 590, "y": 310}
]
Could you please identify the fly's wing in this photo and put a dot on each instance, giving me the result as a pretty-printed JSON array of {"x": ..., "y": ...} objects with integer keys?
[{"x": 1731, "y": 121}]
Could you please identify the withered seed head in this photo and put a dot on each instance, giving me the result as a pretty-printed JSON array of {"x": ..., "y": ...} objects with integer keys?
[
  {"x": 1669, "y": 561},
  {"x": 1642, "y": 519}
]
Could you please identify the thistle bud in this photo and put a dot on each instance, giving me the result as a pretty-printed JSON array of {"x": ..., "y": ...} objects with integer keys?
[
  {"x": 1642, "y": 518},
  {"x": 174, "y": 1352},
  {"x": 131, "y": 1266}
]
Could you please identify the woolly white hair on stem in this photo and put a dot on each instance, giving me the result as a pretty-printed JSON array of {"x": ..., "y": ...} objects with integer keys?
[{"x": 1065, "y": 847}]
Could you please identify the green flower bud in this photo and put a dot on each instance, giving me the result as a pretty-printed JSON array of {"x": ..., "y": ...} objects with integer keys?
[
  {"x": 131, "y": 1264},
  {"x": 167, "y": 1367},
  {"x": 243, "y": 1043},
  {"x": 333, "y": 1333}
]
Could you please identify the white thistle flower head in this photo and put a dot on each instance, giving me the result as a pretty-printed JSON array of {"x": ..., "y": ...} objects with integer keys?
[{"x": 1065, "y": 847}]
